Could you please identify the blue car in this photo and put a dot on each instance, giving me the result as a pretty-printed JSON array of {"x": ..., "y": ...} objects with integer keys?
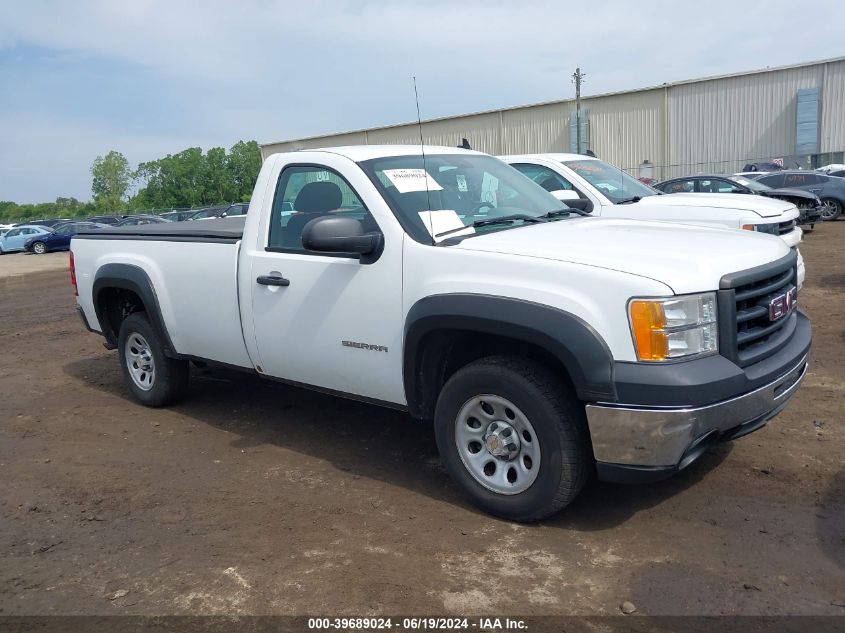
[
  {"x": 59, "y": 238},
  {"x": 15, "y": 239}
]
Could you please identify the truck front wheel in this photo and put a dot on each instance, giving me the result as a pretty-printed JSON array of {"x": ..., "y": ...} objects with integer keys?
[
  {"x": 154, "y": 379},
  {"x": 514, "y": 436}
]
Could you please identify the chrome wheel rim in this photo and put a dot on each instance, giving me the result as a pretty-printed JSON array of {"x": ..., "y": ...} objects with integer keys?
[
  {"x": 831, "y": 208},
  {"x": 39, "y": 248},
  {"x": 497, "y": 444},
  {"x": 139, "y": 361}
]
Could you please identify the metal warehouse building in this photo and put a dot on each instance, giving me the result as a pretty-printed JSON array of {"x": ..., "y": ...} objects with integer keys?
[{"x": 716, "y": 124}]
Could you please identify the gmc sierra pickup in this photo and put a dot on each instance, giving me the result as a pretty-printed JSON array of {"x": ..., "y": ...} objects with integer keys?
[{"x": 543, "y": 344}]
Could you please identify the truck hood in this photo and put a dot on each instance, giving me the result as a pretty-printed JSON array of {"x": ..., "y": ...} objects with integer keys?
[
  {"x": 760, "y": 205},
  {"x": 685, "y": 258}
]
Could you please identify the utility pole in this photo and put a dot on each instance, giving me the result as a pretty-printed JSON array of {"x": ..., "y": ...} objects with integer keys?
[{"x": 578, "y": 78}]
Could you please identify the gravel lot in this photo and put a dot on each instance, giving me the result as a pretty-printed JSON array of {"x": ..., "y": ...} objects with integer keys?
[
  {"x": 15, "y": 264},
  {"x": 256, "y": 498}
]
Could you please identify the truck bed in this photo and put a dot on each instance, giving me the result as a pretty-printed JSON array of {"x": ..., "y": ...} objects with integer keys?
[
  {"x": 225, "y": 230},
  {"x": 192, "y": 268}
]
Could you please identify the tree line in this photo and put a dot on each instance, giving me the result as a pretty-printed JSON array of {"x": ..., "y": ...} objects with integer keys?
[{"x": 190, "y": 178}]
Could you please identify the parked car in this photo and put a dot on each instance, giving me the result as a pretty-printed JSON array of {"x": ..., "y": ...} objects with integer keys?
[
  {"x": 59, "y": 238},
  {"x": 229, "y": 211},
  {"x": 830, "y": 189},
  {"x": 106, "y": 219},
  {"x": 762, "y": 166},
  {"x": 48, "y": 223},
  {"x": 207, "y": 213},
  {"x": 832, "y": 169},
  {"x": 544, "y": 345},
  {"x": 136, "y": 220},
  {"x": 177, "y": 216},
  {"x": 15, "y": 238},
  {"x": 604, "y": 190},
  {"x": 808, "y": 204}
]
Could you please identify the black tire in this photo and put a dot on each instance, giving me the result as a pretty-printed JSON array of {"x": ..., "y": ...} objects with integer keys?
[
  {"x": 832, "y": 209},
  {"x": 558, "y": 420},
  {"x": 170, "y": 376},
  {"x": 39, "y": 248}
]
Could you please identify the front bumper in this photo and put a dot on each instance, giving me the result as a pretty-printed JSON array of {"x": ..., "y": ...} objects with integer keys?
[
  {"x": 662, "y": 434},
  {"x": 793, "y": 238},
  {"x": 810, "y": 216}
]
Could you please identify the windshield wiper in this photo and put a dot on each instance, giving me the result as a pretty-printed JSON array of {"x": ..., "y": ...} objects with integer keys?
[
  {"x": 564, "y": 212},
  {"x": 504, "y": 219},
  {"x": 630, "y": 200}
]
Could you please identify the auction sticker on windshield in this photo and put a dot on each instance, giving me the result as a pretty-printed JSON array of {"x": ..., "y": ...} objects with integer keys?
[{"x": 406, "y": 180}]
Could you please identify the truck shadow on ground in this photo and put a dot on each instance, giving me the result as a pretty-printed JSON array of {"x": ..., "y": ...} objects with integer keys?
[{"x": 367, "y": 440}]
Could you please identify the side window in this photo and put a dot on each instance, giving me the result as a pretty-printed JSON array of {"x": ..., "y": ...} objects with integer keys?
[
  {"x": 13, "y": 233},
  {"x": 680, "y": 186},
  {"x": 772, "y": 180},
  {"x": 307, "y": 192},
  {"x": 717, "y": 186},
  {"x": 548, "y": 179}
]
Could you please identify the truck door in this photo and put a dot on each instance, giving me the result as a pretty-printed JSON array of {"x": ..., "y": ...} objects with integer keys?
[{"x": 325, "y": 320}]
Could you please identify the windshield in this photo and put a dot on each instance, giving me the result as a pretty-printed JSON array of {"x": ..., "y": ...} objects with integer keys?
[
  {"x": 456, "y": 191},
  {"x": 614, "y": 183},
  {"x": 751, "y": 184}
]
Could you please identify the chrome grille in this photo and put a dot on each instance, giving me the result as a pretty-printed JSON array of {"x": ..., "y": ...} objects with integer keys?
[
  {"x": 750, "y": 303},
  {"x": 786, "y": 227}
]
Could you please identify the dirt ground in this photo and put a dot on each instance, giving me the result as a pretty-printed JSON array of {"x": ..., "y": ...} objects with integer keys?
[
  {"x": 256, "y": 498},
  {"x": 15, "y": 264}
]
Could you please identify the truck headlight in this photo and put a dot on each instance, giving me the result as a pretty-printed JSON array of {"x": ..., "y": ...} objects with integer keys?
[
  {"x": 769, "y": 229},
  {"x": 677, "y": 327}
]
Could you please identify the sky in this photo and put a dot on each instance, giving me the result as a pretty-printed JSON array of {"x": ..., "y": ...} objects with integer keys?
[{"x": 79, "y": 78}]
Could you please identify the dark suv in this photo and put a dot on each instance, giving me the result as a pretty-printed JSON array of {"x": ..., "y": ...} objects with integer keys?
[{"x": 829, "y": 189}]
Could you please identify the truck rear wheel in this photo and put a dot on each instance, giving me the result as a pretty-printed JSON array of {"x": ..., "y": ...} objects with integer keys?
[
  {"x": 154, "y": 379},
  {"x": 514, "y": 437}
]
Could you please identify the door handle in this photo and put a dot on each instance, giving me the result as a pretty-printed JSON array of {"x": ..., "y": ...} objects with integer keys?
[{"x": 272, "y": 280}]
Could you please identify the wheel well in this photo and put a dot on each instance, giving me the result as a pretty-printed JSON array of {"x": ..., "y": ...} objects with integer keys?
[
  {"x": 113, "y": 306},
  {"x": 446, "y": 351}
]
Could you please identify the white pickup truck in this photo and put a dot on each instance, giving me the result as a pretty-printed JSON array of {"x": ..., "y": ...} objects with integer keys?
[
  {"x": 607, "y": 191},
  {"x": 543, "y": 345}
]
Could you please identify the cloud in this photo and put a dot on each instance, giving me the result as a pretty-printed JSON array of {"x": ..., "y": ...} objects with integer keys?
[
  {"x": 149, "y": 74},
  {"x": 42, "y": 158}
]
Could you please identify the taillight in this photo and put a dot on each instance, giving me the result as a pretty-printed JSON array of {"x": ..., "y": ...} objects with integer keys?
[{"x": 73, "y": 275}]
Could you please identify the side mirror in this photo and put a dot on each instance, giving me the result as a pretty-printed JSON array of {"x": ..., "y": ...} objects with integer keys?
[
  {"x": 565, "y": 195},
  {"x": 329, "y": 234}
]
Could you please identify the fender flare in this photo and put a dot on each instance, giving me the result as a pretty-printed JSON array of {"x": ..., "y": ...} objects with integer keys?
[
  {"x": 570, "y": 339},
  {"x": 134, "y": 278}
]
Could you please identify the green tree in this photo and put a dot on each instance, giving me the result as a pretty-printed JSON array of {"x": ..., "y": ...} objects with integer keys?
[
  {"x": 244, "y": 165},
  {"x": 219, "y": 184},
  {"x": 111, "y": 179}
]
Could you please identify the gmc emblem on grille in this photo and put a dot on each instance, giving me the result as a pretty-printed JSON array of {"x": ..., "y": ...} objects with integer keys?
[{"x": 783, "y": 304}]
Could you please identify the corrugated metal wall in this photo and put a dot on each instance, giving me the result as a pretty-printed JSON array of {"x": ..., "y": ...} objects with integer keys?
[
  {"x": 718, "y": 125},
  {"x": 628, "y": 128},
  {"x": 710, "y": 125},
  {"x": 833, "y": 107}
]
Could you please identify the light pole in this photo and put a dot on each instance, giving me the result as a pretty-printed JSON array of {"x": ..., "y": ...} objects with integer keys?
[{"x": 578, "y": 78}]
